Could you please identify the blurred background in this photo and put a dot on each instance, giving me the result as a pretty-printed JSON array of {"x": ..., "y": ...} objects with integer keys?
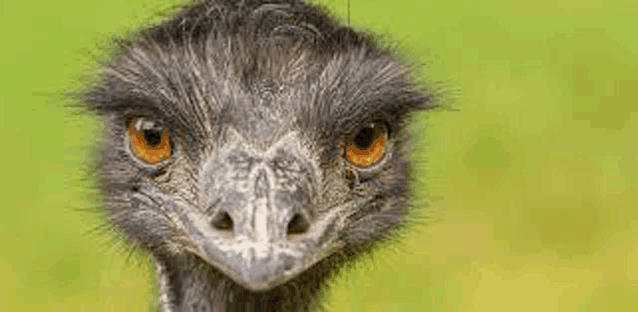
[{"x": 530, "y": 187}]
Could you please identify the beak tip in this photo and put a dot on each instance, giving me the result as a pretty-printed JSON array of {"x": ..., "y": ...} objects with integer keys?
[{"x": 261, "y": 274}]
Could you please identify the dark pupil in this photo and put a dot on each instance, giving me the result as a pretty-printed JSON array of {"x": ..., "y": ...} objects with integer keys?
[
  {"x": 153, "y": 136},
  {"x": 363, "y": 140}
]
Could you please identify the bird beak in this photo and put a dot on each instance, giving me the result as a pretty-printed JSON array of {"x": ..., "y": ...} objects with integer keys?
[
  {"x": 259, "y": 262},
  {"x": 257, "y": 221}
]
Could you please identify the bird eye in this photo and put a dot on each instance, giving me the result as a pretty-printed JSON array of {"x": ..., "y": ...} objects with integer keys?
[
  {"x": 150, "y": 140},
  {"x": 367, "y": 147}
]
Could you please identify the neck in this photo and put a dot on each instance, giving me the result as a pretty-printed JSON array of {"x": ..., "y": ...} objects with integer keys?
[{"x": 189, "y": 284}]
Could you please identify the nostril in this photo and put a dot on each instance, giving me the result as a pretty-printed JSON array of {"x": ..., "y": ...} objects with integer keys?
[
  {"x": 222, "y": 221},
  {"x": 298, "y": 225}
]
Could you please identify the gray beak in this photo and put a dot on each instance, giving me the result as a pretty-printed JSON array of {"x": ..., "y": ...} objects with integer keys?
[{"x": 256, "y": 224}]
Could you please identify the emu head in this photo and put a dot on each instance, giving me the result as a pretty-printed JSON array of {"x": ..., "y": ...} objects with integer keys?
[{"x": 257, "y": 143}]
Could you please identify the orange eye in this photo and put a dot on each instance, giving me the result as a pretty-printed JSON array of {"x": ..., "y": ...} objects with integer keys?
[
  {"x": 368, "y": 146},
  {"x": 150, "y": 140}
]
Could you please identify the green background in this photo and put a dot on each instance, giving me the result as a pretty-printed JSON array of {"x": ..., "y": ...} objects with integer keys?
[{"x": 532, "y": 182}]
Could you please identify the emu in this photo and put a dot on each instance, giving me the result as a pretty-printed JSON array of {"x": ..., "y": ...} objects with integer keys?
[{"x": 253, "y": 148}]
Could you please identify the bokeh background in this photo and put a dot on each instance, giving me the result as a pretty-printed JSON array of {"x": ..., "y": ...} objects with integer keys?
[{"x": 530, "y": 187}]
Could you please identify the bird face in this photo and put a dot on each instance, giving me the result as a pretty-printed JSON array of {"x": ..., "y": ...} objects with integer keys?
[
  {"x": 258, "y": 153},
  {"x": 256, "y": 211}
]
